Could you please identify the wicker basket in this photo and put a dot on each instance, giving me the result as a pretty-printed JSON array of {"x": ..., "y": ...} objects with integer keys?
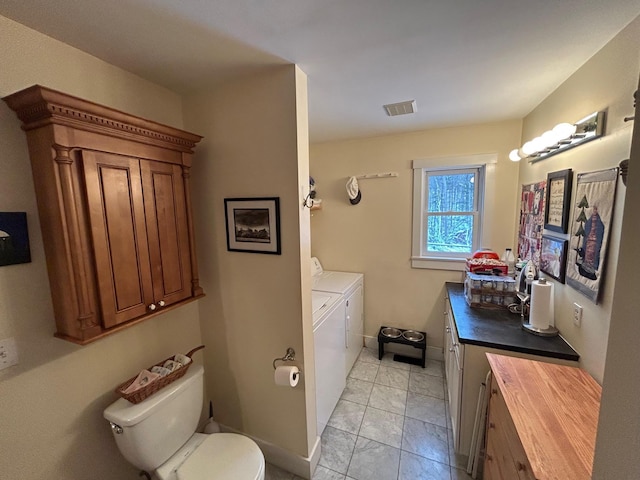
[{"x": 139, "y": 395}]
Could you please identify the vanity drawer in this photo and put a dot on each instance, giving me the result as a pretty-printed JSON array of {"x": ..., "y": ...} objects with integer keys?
[{"x": 505, "y": 455}]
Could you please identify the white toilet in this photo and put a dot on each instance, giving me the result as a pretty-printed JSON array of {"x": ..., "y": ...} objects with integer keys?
[{"x": 158, "y": 436}]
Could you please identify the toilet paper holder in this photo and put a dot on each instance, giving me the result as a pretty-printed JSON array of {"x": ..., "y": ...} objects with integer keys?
[{"x": 290, "y": 356}]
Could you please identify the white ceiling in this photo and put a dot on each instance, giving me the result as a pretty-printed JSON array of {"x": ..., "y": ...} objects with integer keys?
[{"x": 463, "y": 61}]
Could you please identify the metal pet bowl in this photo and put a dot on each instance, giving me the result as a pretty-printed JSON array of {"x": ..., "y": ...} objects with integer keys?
[
  {"x": 391, "y": 332},
  {"x": 413, "y": 336}
]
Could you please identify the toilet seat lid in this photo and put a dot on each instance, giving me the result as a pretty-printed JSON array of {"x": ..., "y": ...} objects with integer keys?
[{"x": 224, "y": 456}]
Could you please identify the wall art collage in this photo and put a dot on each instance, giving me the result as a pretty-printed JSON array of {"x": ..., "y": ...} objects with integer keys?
[{"x": 568, "y": 251}]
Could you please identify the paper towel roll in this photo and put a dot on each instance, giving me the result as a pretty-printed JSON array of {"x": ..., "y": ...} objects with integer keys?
[
  {"x": 552, "y": 308},
  {"x": 287, "y": 376},
  {"x": 541, "y": 303}
]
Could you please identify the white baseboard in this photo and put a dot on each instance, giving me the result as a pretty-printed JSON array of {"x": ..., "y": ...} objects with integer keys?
[
  {"x": 433, "y": 353},
  {"x": 289, "y": 461}
]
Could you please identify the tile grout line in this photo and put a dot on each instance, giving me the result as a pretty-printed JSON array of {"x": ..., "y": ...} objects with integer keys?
[{"x": 406, "y": 391}]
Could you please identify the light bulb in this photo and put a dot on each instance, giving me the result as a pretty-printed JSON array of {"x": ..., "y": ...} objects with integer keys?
[
  {"x": 513, "y": 155},
  {"x": 549, "y": 138},
  {"x": 538, "y": 144},
  {"x": 564, "y": 130},
  {"x": 528, "y": 148}
]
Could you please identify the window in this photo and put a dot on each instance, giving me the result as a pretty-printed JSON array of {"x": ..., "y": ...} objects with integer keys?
[{"x": 447, "y": 217}]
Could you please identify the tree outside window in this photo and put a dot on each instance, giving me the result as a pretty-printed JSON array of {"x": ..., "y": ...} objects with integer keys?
[
  {"x": 447, "y": 211},
  {"x": 451, "y": 211}
]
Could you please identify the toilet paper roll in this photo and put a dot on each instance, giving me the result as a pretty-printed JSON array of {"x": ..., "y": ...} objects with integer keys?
[
  {"x": 172, "y": 365},
  {"x": 287, "y": 376},
  {"x": 541, "y": 304},
  {"x": 181, "y": 359}
]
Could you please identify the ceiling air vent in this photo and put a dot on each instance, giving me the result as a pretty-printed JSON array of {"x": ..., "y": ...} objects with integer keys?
[{"x": 401, "y": 108}]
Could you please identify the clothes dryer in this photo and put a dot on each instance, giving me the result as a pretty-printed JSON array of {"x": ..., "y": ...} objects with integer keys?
[
  {"x": 351, "y": 286},
  {"x": 328, "y": 339}
]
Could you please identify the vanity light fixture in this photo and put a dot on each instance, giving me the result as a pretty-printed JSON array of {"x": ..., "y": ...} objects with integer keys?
[{"x": 562, "y": 137}]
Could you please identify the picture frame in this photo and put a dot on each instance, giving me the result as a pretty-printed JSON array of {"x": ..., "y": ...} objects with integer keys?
[
  {"x": 556, "y": 213},
  {"x": 253, "y": 225},
  {"x": 14, "y": 239},
  {"x": 553, "y": 257}
]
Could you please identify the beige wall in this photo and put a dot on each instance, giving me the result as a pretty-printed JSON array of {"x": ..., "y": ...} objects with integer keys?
[
  {"x": 258, "y": 305},
  {"x": 606, "y": 82},
  {"x": 51, "y": 403},
  {"x": 374, "y": 237},
  {"x": 618, "y": 440}
]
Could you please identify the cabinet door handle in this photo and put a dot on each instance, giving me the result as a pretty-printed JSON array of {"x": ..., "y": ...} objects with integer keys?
[
  {"x": 448, "y": 329},
  {"x": 492, "y": 425},
  {"x": 161, "y": 303},
  {"x": 152, "y": 307},
  {"x": 521, "y": 466},
  {"x": 494, "y": 391},
  {"x": 452, "y": 349},
  {"x": 490, "y": 458}
]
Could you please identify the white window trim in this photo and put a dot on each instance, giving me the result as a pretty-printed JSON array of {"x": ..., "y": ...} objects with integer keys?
[{"x": 445, "y": 163}]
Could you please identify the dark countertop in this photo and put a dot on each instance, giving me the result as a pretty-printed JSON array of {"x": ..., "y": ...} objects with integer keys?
[{"x": 501, "y": 329}]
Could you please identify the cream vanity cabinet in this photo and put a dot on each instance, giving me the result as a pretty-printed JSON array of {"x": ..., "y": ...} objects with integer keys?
[
  {"x": 453, "y": 355},
  {"x": 115, "y": 210},
  {"x": 470, "y": 333}
]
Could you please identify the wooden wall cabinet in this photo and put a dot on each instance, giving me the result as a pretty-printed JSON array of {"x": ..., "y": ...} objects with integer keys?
[{"x": 115, "y": 210}]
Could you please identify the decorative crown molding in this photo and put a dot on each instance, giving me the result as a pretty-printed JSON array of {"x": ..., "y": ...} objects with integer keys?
[{"x": 38, "y": 106}]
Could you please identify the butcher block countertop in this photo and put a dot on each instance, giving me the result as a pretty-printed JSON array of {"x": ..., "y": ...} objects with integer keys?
[{"x": 555, "y": 411}]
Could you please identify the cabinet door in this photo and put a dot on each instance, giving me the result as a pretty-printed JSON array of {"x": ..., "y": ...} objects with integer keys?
[
  {"x": 167, "y": 231},
  {"x": 354, "y": 328},
  {"x": 118, "y": 230},
  {"x": 501, "y": 427},
  {"x": 498, "y": 464},
  {"x": 453, "y": 371}
]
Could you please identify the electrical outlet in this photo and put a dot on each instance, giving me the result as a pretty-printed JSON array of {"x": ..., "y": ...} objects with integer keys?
[
  {"x": 8, "y": 353},
  {"x": 577, "y": 315}
]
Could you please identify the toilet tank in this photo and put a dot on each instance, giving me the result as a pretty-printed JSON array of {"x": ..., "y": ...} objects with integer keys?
[{"x": 153, "y": 430}]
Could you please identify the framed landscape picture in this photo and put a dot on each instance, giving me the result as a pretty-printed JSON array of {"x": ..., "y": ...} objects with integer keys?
[{"x": 253, "y": 225}]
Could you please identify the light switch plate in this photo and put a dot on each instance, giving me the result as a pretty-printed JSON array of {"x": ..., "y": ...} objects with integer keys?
[{"x": 8, "y": 353}]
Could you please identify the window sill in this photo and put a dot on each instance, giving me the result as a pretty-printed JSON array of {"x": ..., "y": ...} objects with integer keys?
[{"x": 439, "y": 263}]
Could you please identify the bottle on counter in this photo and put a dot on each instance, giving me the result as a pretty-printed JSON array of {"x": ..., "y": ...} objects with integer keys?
[{"x": 510, "y": 260}]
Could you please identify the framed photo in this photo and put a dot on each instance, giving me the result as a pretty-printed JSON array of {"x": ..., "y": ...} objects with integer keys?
[
  {"x": 553, "y": 257},
  {"x": 556, "y": 213},
  {"x": 14, "y": 238},
  {"x": 253, "y": 225}
]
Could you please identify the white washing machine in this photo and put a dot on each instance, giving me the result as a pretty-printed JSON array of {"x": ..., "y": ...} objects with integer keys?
[
  {"x": 328, "y": 339},
  {"x": 351, "y": 287}
]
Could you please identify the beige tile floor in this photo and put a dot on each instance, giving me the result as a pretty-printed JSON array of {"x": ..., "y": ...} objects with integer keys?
[{"x": 390, "y": 424}]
